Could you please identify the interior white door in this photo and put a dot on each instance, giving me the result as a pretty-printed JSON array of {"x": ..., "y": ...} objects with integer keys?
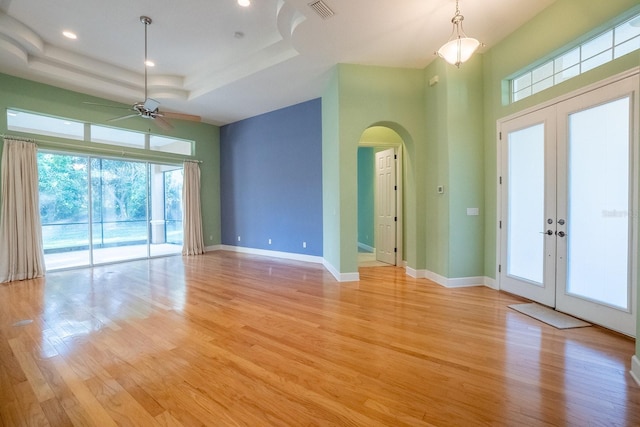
[
  {"x": 385, "y": 202},
  {"x": 569, "y": 192}
]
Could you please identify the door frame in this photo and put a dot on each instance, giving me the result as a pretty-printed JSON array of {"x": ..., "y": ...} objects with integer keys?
[
  {"x": 399, "y": 194},
  {"x": 636, "y": 173}
]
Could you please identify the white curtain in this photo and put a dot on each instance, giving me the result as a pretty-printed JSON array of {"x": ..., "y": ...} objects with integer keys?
[
  {"x": 21, "y": 252},
  {"x": 193, "y": 242}
]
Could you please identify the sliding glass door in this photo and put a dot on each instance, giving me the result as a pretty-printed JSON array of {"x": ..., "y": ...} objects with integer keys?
[{"x": 99, "y": 210}]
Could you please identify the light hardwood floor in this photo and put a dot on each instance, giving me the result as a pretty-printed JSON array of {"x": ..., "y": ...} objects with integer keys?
[{"x": 226, "y": 339}]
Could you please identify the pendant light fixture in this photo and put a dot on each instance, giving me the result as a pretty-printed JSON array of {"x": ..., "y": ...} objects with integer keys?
[{"x": 459, "y": 48}]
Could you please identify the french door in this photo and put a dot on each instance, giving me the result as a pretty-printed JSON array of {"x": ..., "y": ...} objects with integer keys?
[{"x": 568, "y": 233}]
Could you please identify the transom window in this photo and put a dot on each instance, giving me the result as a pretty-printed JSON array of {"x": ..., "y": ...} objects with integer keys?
[
  {"x": 620, "y": 40},
  {"x": 39, "y": 124}
]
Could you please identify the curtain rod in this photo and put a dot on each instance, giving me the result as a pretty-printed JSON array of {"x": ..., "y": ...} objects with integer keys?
[
  {"x": 109, "y": 150},
  {"x": 19, "y": 138}
]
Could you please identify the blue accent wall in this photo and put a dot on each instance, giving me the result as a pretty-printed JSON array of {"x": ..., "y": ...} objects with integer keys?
[{"x": 271, "y": 180}]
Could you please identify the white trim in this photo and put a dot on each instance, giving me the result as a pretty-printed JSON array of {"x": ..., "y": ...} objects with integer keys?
[
  {"x": 366, "y": 247},
  {"x": 589, "y": 88},
  {"x": 456, "y": 282},
  {"x": 340, "y": 277},
  {"x": 635, "y": 369},
  {"x": 491, "y": 283},
  {"x": 273, "y": 254},
  {"x": 416, "y": 274}
]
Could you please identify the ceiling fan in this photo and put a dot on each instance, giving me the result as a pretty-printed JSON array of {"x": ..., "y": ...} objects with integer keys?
[{"x": 149, "y": 108}]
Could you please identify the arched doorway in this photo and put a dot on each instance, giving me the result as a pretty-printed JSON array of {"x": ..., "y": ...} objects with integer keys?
[{"x": 380, "y": 197}]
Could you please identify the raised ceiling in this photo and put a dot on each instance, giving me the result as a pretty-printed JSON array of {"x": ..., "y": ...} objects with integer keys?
[{"x": 224, "y": 62}]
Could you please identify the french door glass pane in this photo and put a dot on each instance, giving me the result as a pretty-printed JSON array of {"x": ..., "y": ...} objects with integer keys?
[
  {"x": 525, "y": 243},
  {"x": 598, "y": 205},
  {"x": 64, "y": 209},
  {"x": 119, "y": 196},
  {"x": 166, "y": 210}
]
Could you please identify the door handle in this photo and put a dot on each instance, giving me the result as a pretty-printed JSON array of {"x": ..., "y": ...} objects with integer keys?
[
  {"x": 561, "y": 233},
  {"x": 548, "y": 232}
]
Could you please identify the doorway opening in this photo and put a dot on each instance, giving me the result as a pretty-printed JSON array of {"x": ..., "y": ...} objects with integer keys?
[
  {"x": 380, "y": 199},
  {"x": 568, "y": 189}
]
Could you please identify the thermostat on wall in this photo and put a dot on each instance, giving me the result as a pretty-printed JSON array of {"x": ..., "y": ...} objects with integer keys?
[{"x": 440, "y": 189}]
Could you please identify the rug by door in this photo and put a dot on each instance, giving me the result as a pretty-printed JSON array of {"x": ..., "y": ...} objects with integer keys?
[{"x": 549, "y": 316}]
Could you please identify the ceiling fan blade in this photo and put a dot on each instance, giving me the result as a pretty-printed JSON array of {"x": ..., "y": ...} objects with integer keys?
[
  {"x": 162, "y": 123},
  {"x": 120, "y": 107},
  {"x": 151, "y": 104},
  {"x": 128, "y": 116},
  {"x": 181, "y": 116}
]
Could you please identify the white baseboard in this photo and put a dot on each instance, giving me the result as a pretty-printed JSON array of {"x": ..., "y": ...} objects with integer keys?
[
  {"x": 341, "y": 277},
  {"x": 366, "y": 247},
  {"x": 456, "y": 282},
  {"x": 635, "y": 369},
  {"x": 491, "y": 283},
  {"x": 273, "y": 254}
]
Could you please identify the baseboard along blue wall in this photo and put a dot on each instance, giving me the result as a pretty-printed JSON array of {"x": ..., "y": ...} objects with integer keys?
[{"x": 271, "y": 180}]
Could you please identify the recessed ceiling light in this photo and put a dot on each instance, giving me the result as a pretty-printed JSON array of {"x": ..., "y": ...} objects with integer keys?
[
  {"x": 244, "y": 3},
  {"x": 149, "y": 63},
  {"x": 70, "y": 35}
]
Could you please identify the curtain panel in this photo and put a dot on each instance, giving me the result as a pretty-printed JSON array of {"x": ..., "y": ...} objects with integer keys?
[
  {"x": 21, "y": 249},
  {"x": 193, "y": 241}
]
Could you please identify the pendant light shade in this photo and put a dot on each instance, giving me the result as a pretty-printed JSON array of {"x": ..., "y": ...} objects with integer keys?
[{"x": 459, "y": 48}]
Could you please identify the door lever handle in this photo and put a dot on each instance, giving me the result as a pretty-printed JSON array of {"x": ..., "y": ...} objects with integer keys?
[{"x": 548, "y": 232}]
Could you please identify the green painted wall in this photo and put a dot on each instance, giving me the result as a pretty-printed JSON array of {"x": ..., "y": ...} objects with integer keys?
[
  {"x": 357, "y": 98},
  {"x": 27, "y": 95},
  {"x": 453, "y": 119}
]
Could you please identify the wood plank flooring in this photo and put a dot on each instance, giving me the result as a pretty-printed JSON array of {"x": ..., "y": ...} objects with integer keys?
[{"x": 229, "y": 339}]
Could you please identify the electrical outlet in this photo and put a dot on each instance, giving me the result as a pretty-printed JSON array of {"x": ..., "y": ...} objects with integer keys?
[
  {"x": 304, "y": 244},
  {"x": 238, "y": 238},
  {"x": 269, "y": 241}
]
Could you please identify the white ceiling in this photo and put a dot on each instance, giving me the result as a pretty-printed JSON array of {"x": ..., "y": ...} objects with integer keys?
[{"x": 202, "y": 68}]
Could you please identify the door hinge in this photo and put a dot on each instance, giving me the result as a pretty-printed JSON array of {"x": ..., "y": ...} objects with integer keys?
[
  {"x": 395, "y": 157},
  {"x": 500, "y": 136},
  {"x": 395, "y": 250},
  {"x": 500, "y": 225},
  {"x": 395, "y": 218},
  {"x": 500, "y": 180},
  {"x": 499, "y": 268},
  {"x": 395, "y": 187}
]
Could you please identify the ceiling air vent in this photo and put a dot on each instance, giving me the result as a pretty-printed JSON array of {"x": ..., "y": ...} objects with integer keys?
[{"x": 322, "y": 9}]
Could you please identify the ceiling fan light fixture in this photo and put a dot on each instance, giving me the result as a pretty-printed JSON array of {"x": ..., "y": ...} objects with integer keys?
[{"x": 459, "y": 48}]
